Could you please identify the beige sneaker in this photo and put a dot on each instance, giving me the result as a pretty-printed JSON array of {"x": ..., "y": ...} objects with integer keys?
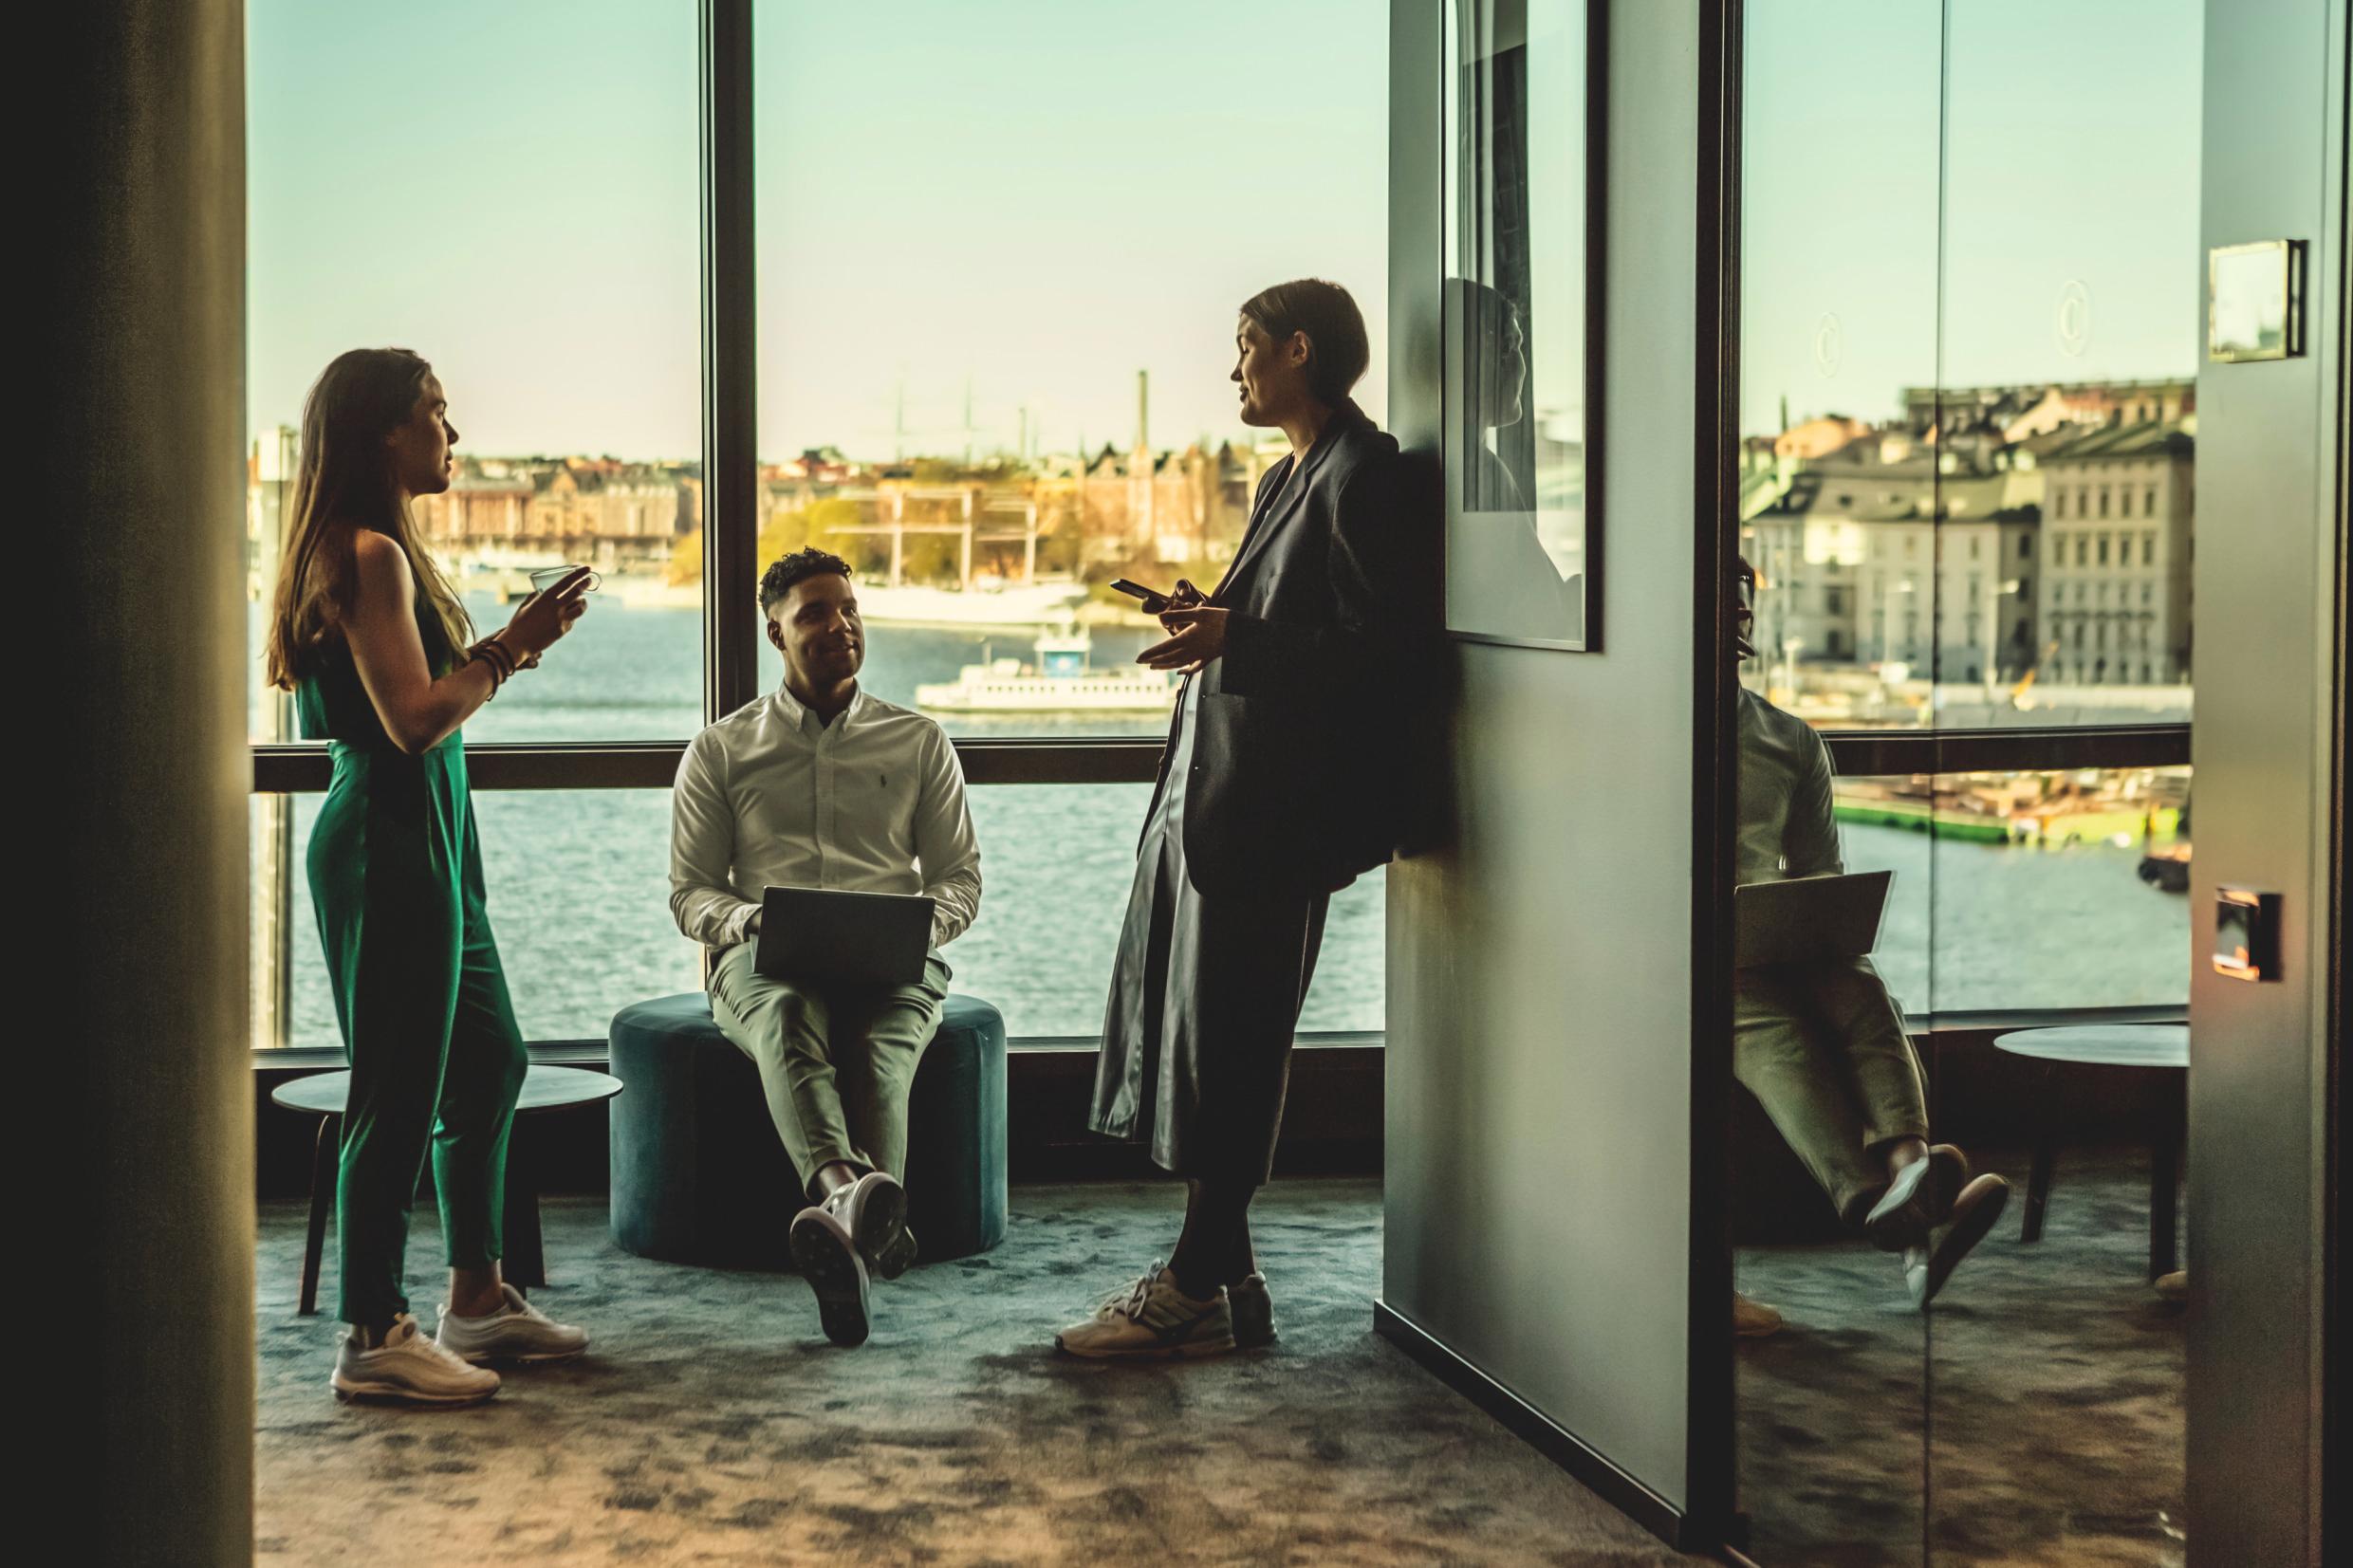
[
  {"x": 2174, "y": 1287},
  {"x": 1753, "y": 1320},
  {"x": 408, "y": 1367},
  {"x": 516, "y": 1332},
  {"x": 1152, "y": 1320},
  {"x": 1253, "y": 1312}
]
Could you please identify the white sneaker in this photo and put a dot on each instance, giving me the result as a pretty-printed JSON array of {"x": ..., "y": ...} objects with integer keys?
[
  {"x": 1152, "y": 1320},
  {"x": 408, "y": 1367},
  {"x": 516, "y": 1332}
]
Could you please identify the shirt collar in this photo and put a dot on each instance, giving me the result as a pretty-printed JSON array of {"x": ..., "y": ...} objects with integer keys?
[{"x": 795, "y": 713}]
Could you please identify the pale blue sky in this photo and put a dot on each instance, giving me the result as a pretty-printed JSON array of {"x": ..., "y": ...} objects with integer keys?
[
  {"x": 1046, "y": 196},
  {"x": 1049, "y": 195},
  {"x": 2070, "y": 136}
]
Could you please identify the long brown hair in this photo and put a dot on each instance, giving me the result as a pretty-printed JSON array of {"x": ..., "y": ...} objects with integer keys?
[{"x": 342, "y": 476}]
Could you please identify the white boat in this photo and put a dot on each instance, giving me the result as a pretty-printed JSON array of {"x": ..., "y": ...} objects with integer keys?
[
  {"x": 638, "y": 591},
  {"x": 1059, "y": 682},
  {"x": 1015, "y": 607}
]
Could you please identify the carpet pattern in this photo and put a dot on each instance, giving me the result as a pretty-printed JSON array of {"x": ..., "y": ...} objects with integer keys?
[
  {"x": 710, "y": 1424},
  {"x": 2034, "y": 1419}
]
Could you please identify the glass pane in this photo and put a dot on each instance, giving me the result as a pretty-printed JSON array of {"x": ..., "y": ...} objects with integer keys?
[
  {"x": 2046, "y": 891},
  {"x": 1057, "y": 861},
  {"x": 579, "y": 890},
  {"x": 1838, "y": 475},
  {"x": 1516, "y": 231},
  {"x": 996, "y": 324},
  {"x": 2066, "y": 419},
  {"x": 1837, "y": 332},
  {"x": 511, "y": 191},
  {"x": 580, "y": 896},
  {"x": 2067, "y": 409},
  {"x": 2061, "y": 892}
]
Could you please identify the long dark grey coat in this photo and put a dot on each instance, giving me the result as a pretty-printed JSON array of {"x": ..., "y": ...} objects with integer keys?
[{"x": 1273, "y": 791}]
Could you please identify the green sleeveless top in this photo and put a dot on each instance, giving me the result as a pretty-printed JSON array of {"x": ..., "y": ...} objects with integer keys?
[{"x": 331, "y": 703}]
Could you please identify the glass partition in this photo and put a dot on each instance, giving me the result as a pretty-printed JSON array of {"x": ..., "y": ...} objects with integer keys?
[
  {"x": 1838, "y": 258},
  {"x": 1969, "y": 299}
]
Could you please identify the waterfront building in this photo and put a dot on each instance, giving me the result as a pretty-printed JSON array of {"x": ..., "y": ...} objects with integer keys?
[{"x": 2117, "y": 549}]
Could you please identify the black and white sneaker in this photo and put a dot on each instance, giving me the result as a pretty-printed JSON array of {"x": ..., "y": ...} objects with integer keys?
[
  {"x": 1919, "y": 1199},
  {"x": 1926, "y": 1268},
  {"x": 827, "y": 1255},
  {"x": 874, "y": 1209}
]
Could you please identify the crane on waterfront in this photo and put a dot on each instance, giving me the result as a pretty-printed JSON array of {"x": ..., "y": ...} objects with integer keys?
[{"x": 2019, "y": 690}]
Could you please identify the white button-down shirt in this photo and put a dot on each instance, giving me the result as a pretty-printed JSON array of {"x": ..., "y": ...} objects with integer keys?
[{"x": 772, "y": 797}]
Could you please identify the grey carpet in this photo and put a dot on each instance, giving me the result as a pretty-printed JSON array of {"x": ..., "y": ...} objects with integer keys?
[
  {"x": 2032, "y": 1420},
  {"x": 711, "y": 1425}
]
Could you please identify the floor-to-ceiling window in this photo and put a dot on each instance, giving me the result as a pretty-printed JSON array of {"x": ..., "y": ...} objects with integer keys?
[{"x": 999, "y": 252}]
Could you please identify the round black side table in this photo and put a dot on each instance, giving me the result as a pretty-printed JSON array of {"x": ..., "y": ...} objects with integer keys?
[
  {"x": 2165, "y": 1046},
  {"x": 324, "y": 1095}
]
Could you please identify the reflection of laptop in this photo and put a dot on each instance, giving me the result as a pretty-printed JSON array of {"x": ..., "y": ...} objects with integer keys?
[
  {"x": 1807, "y": 917},
  {"x": 842, "y": 938}
]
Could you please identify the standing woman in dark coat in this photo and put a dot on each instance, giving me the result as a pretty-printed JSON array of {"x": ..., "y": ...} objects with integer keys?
[{"x": 1276, "y": 789}]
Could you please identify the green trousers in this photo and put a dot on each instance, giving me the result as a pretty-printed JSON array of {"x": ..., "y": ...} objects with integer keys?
[
  {"x": 836, "y": 1065},
  {"x": 436, "y": 1057},
  {"x": 1821, "y": 1047}
]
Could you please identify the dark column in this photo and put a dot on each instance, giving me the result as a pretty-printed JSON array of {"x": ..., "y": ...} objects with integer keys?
[{"x": 136, "y": 781}]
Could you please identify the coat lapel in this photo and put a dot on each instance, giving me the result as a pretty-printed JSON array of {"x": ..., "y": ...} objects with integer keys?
[{"x": 1293, "y": 495}]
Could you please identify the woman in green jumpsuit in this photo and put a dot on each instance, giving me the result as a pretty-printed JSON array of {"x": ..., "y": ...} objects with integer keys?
[{"x": 373, "y": 641}]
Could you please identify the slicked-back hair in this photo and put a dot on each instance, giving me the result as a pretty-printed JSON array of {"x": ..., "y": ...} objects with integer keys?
[
  {"x": 791, "y": 571},
  {"x": 1338, "y": 351}
]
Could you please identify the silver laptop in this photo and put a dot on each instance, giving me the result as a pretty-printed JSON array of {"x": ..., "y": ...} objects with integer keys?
[
  {"x": 1808, "y": 917},
  {"x": 842, "y": 938}
]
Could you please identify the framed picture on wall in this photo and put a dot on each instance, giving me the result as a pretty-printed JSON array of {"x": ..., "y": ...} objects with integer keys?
[{"x": 1523, "y": 215}]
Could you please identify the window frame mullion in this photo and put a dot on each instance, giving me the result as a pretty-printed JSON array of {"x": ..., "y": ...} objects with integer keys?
[{"x": 730, "y": 371}]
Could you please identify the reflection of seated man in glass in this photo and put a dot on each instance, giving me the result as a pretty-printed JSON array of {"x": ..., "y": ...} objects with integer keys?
[
  {"x": 1821, "y": 1044},
  {"x": 1519, "y": 588}
]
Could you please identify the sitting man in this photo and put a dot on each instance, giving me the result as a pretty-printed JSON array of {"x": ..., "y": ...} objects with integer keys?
[
  {"x": 1821, "y": 1044},
  {"x": 821, "y": 785}
]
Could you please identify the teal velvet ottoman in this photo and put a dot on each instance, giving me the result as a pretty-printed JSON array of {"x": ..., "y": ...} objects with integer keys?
[{"x": 699, "y": 1175}]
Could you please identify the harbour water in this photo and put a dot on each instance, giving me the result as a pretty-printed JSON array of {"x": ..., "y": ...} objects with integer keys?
[{"x": 579, "y": 878}]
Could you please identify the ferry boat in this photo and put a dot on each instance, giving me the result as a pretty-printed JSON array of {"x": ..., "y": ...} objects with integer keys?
[{"x": 1059, "y": 682}]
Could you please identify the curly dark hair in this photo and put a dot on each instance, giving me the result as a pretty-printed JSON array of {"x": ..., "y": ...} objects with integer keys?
[{"x": 796, "y": 568}]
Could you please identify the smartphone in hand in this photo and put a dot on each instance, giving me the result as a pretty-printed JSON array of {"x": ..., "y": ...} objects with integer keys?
[{"x": 1155, "y": 603}]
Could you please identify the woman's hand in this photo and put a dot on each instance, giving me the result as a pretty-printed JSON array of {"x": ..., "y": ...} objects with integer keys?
[
  {"x": 1198, "y": 636},
  {"x": 544, "y": 618}
]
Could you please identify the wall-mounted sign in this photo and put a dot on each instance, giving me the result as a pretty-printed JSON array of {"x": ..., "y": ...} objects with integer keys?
[{"x": 2255, "y": 301}]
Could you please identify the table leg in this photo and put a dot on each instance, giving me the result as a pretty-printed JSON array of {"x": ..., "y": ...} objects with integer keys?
[
  {"x": 325, "y": 1157},
  {"x": 525, "y": 1263},
  {"x": 2045, "y": 1160},
  {"x": 2164, "y": 1182}
]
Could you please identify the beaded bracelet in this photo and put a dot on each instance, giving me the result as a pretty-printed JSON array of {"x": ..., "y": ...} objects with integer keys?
[{"x": 494, "y": 653}]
